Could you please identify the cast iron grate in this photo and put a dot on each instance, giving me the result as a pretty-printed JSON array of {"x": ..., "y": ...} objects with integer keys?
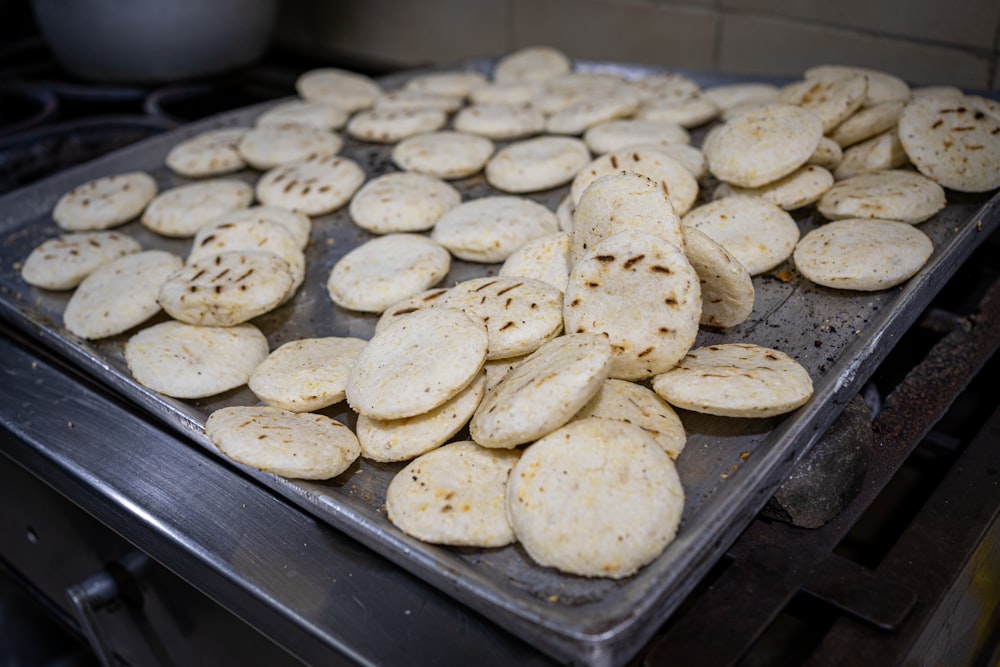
[{"x": 878, "y": 583}]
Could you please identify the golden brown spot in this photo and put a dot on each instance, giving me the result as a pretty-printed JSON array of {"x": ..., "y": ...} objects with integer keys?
[
  {"x": 485, "y": 285},
  {"x": 629, "y": 263}
]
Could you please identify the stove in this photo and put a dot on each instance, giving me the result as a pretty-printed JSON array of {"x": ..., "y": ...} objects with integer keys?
[{"x": 156, "y": 559}]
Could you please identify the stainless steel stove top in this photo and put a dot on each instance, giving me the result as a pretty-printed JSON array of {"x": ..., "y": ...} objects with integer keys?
[{"x": 326, "y": 597}]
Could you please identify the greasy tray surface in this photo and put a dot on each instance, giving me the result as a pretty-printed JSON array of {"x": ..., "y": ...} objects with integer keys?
[{"x": 729, "y": 467}]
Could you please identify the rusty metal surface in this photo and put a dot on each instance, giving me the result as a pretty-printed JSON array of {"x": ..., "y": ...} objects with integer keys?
[{"x": 730, "y": 467}]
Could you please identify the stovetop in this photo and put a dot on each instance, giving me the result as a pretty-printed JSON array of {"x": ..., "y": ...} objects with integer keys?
[{"x": 903, "y": 571}]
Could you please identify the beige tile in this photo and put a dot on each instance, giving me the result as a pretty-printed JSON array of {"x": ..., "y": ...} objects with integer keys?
[
  {"x": 665, "y": 35},
  {"x": 783, "y": 47},
  {"x": 964, "y": 23},
  {"x": 395, "y": 33}
]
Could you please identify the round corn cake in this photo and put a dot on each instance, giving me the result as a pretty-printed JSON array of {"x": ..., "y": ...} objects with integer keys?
[
  {"x": 120, "y": 294},
  {"x": 60, "y": 263},
  {"x": 182, "y": 210},
  {"x": 307, "y": 374},
  {"x": 210, "y": 153},
  {"x": 954, "y": 141},
  {"x": 578, "y": 118},
  {"x": 619, "y": 202},
  {"x": 402, "y": 202},
  {"x": 445, "y": 154},
  {"x": 291, "y": 444},
  {"x": 832, "y": 97},
  {"x": 271, "y": 144},
  {"x": 543, "y": 391},
  {"x": 104, "y": 202},
  {"x": 736, "y": 380},
  {"x": 899, "y": 194},
  {"x": 879, "y": 153},
  {"x": 669, "y": 174},
  {"x": 415, "y": 100},
  {"x": 727, "y": 291},
  {"x": 188, "y": 361},
  {"x": 882, "y": 86},
  {"x": 595, "y": 498},
  {"x": 323, "y": 115},
  {"x": 500, "y": 121},
  {"x": 862, "y": 254},
  {"x": 636, "y": 404},
  {"x": 409, "y": 437},
  {"x": 314, "y": 186},
  {"x": 643, "y": 295},
  {"x": 454, "y": 495},
  {"x": 520, "y": 314},
  {"x": 763, "y": 144},
  {"x": 250, "y": 234},
  {"x": 386, "y": 269},
  {"x": 802, "y": 187},
  {"x": 614, "y": 135},
  {"x": 388, "y": 126},
  {"x": 532, "y": 63},
  {"x": 489, "y": 229},
  {"x": 452, "y": 83},
  {"x": 298, "y": 225},
  {"x": 537, "y": 164},
  {"x": 227, "y": 288},
  {"x": 348, "y": 90},
  {"x": 689, "y": 110},
  {"x": 545, "y": 258},
  {"x": 867, "y": 122},
  {"x": 400, "y": 372},
  {"x": 758, "y": 233},
  {"x": 511, "y": 92}
]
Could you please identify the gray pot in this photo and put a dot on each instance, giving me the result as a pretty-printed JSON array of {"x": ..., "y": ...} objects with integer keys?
[{"x": 155, "y": 40}]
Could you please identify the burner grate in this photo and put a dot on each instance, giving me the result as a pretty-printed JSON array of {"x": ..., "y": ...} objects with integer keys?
[{"x": 876, "y": 584}]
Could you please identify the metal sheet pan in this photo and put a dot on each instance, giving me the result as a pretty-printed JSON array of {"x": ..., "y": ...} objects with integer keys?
[{"x": 730, "y": 467}]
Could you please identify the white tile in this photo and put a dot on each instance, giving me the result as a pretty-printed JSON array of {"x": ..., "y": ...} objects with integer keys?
[
  {"x": 663, "y": 35},
  {"x": 784, "y": 47},
  {"x": 395, "y": 32},
  {"x": 967, "y": 23}
]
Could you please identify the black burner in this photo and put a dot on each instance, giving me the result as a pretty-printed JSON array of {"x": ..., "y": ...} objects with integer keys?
[{"x": 23, "y": 106}]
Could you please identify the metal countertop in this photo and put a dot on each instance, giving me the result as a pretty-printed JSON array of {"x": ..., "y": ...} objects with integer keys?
[{"x": 311, "y": 589}]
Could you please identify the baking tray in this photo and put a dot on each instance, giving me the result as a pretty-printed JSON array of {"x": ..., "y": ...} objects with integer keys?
[{"x": 729, "y": 468}]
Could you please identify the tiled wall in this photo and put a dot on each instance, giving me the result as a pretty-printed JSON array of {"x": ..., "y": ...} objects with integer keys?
[{"x": 924, "y": 41}]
